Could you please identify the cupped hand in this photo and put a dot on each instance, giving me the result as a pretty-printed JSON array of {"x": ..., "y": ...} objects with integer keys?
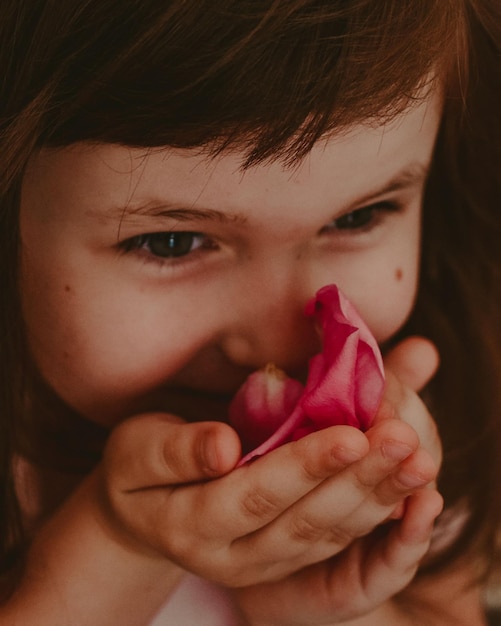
[
  {"x": 300, "y": 504},
  {"x": 356, "y": 583},
  {"x": 383, "y": 561},
  {"x": 168, "y": 488}
]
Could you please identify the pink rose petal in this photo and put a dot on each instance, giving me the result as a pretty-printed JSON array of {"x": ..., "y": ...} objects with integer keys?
[
  {"x": 262, "y": 403},
  {"x": 344, "y": 385}
]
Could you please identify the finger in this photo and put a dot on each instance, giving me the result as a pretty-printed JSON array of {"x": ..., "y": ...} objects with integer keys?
[
  {"x": 389, "y": 499},
  {"x": 265, "y": 488},
  {"x": 241, "y": 501},
  {"x": 220, "y": 510},
  {"x": 389, "y": 559},
  {"x": 400, "y": 403},
  {"x": 157, "y": 449},
  {"x": 415, "y": 472},
  {"x": 394, "y": 562},
  {"x": 413, "y": 361},
  {"x": 247, "y": 500},
  {"x": 343, "y": 507},
  {"x": 369, "y": 572},
  {"x": 386, "y": 565}
]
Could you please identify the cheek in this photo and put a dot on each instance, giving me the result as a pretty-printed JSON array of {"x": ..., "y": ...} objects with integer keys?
[
  {"x": 111, "y": 354},
  {"x": 383, "y": 283},
  {"x": 386, "y": 304}
]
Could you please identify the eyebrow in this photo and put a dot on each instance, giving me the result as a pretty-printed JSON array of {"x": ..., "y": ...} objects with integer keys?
[
  {"x": 176, "y": 212},
  {"x": 410, "y": 176}
]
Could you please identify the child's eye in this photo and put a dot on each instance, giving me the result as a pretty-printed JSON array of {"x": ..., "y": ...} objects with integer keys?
[
  {"x": 362, "y": 219},
  {"x": 167, "y": 245},
  {"x": 355, "y": 219}
]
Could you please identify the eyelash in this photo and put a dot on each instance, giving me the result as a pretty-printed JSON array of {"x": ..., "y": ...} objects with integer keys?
[
  {"x": 174, "y": 246},
  {"x": 169, "y": 246},
  {"x": 362, "y": 220}
]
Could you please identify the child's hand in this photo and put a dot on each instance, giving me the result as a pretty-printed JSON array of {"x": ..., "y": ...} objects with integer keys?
[
  {"x": 298, "y": 505},
  {"x": 356, "y": 583},
  {"x": 301, "y": 504},
  {"x": 372, "y": 569}
]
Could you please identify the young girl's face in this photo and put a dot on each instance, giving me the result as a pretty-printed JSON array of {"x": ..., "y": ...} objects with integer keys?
[{"x": 157, "y": 280}]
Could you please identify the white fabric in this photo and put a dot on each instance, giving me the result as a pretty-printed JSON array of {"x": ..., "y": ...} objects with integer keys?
[{"x": 196, "y": 602}]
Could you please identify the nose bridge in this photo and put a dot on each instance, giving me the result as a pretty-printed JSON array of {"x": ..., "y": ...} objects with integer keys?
[{"x": 269, "y": 324}]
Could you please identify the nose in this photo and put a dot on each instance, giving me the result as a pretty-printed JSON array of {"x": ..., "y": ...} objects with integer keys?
[{"x": 269, "y": 325}]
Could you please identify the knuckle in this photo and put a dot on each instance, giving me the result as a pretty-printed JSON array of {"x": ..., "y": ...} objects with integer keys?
[
  {"x": 314, "y": 473},
  {"x": 313, "y": 458},
  {"x": 305, "y": 530},
  {"x": 340, "y": 536},
  {"x": 313, "y": 470},
  {"x": 257, "y": 503},
  {"x": 366, "y": 481}
]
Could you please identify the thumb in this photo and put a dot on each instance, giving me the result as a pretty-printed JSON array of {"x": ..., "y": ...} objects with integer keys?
[
  {"x": 413, "y": 361},
  {"x": 158, "y": 449}
]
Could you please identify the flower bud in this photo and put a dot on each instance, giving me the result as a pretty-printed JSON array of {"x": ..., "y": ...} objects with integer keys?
[
  {"x": 344, "y": 386},
  {"x": 262, "y": 404}
]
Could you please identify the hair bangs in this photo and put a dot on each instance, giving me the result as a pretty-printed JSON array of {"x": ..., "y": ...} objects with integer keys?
[{"x": 270, "y": 78}]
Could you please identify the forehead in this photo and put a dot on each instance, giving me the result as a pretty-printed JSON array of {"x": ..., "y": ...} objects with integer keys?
[{"x": 349, "y": 163}]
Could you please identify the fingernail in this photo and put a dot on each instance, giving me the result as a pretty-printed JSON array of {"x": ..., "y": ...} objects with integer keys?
[
  {"x": 346, "y": 455},
  {"x": 395, "y": 450},
  {"x": 411, "y": 481}
]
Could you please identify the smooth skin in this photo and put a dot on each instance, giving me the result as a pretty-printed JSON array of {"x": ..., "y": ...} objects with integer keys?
[
  {"x": 153, "y": 282},
  {"x": 117, "y": 327}
]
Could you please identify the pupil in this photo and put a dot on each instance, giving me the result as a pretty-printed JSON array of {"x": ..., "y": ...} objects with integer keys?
[
  {"x": 171, "y": 244},
  {"x": 356, "y": 219}
]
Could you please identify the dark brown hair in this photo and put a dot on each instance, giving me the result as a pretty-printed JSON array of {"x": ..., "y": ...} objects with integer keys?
[{"x": 271, "y": 77}]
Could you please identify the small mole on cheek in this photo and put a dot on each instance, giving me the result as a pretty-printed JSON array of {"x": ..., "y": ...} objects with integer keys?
[
  {"x": 67, "y": 288},
  {"x": 399, "y": 274}
]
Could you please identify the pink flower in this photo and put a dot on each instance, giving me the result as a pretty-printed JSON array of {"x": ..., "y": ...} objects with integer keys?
[{"x": 344, "y": 385}]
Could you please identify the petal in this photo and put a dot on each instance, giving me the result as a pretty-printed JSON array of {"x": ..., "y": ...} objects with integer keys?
[
  {"x": 263, "y": 404},
  {"x": 344, "y": 385}
]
